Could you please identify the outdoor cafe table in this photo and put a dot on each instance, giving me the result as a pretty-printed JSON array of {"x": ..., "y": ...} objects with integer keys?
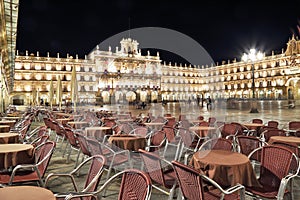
[
  {"x": 287, "y": 139},
  {"x": 4, "y": 128},
  {"x": 14, "y": 154},
  {"x": 25, "y": 193},
  {"x": 98, "y": 131},
  {"x": 129, "y": 142},
  {"x": 253, "y": 126},
  {"x": 11, "y": 118},
  {"x": 10, "y": 123},
  {"x": 202, "y": 131},
  {"x": 64, "y": 120},
  {"x": 78, "y": 125},
  {"x": 225, "y": 167},
  {"x": 6, "y": 138}
]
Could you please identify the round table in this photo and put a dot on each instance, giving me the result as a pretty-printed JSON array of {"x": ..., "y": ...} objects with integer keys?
[
  {"x": 78, "y": 125},
  {"x": 10, "y": 123},
  {"x": 64, "y": 120},
  {"x": 225, "y": 167},
  {"x": 202, "y": 131},
  {"x": 6, "y": 138},
  {"x": 287, "y": 139},
  {"x": 129, "y": 142},
  {"x": 12, "y": 118},
  {"x": 26, "y": 192},
  {"x": 4, "y": 128},
  {"x": 98, "y": 131},
  {"x": 14, "y": 154},
  {"x": 253, "y": 126}
]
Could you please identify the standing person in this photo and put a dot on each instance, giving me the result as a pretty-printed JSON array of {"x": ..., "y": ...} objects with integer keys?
[{"x": 208, "y": 103}]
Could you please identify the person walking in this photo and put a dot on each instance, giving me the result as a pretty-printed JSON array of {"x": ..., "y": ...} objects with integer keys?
[{"x": 209, "y": 103}]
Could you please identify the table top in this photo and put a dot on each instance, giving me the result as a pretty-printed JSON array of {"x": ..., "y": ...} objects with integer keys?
[
  {"x": 81, "y": 122},
  {"x": 221, "y": 157},
  {"x": 253, "y": 124},
  {"x": 10, "y": 148},
  {"x": 129, "y": 142},
  {"x": 93, "y": 128},
  {"x": 154, "y": 123},
  {"x": 225, "y": 167},
  {"x": 26, "y": 192},
  {"x": 289, "y": 139},
  {"x": 4, "y": 135},
  {"x": 202, "y": 128},
  {"x": 7, "y": 121},
  {"x": 14, "y": 118},
  {"x": 196, "y": 121}
]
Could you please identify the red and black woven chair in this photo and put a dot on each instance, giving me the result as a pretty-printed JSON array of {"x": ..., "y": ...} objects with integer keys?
[
  {"x": 31, "y": 172},
  {"x": 135, "y": 184},
  {"x": 95, "y": 170},
  {"x": 191, "y": 183},
  {"x": 160, "y": 172},
  {"x": 275, "y": 172}
]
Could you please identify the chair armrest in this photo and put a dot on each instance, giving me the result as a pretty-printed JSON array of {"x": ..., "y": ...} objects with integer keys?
[
  {"x": 230, "y": 190},
  {"x": 52, "y": 175},
  {"x": 78, "y": 195},
  {"x": 94, "y": 194}
]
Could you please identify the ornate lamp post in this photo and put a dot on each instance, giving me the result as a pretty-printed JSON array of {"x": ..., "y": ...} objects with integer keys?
[{"x": 252, "y": 57}]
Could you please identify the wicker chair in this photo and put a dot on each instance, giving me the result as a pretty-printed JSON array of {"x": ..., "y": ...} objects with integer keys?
[
  {"x": 135, "y": 184},
  {"x": 192, "y": 186},
  {"x": 31, "y": 172},
  {"x": 96, "y": 165},
  {"x": 275, "y": 173},
  {"x": 163, "y": 178}
]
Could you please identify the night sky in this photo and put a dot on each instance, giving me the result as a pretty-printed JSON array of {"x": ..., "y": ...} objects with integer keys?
[{"x": 225, "y": 29}]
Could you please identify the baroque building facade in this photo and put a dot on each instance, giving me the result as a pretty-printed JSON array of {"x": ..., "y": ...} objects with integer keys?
[{"x": 126, "y": 75}]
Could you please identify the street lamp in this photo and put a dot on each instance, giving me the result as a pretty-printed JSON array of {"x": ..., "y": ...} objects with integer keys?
[{"x": 252, "y": 57}]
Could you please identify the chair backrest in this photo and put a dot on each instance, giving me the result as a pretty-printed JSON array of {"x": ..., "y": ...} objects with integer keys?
[
  {"x": 39, "y": 140},
  {"x": 228, "y": 129},
  {"x": 94, "y": 146},
  {"x": 140, "y": 131},
  {"x": 273, "y": 124},
  {"x": 94, "y": 173},
  {"x": 217, "y": 144},
  {"x": 212, "y": 120},
  {"x": 125, "y": 128},
  {"x": 204, "y": 123},
  {"x": 83, "y": 144},
  {"x": 293, "y": 125},
  {"x": 267, "y": 134},
  {"x": 240, "y": 128},
  {"x": 293, "y": 147},
  {"x": 153, "y": 166},
  {"x": 70, "y": 134},
  {"x": 247, "y": 144},
  {"x": 135, "y": 184},
  {"x": 258, "y": 121},
  {"x": 157, "y": 140},
  {"x": 170, "y": 133},
  {"x": 275, "y": 164},
  {"x": 187, "y": 137},
  {"x": 189, "y": 181},
  {"x": 43, "y": 154}
]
